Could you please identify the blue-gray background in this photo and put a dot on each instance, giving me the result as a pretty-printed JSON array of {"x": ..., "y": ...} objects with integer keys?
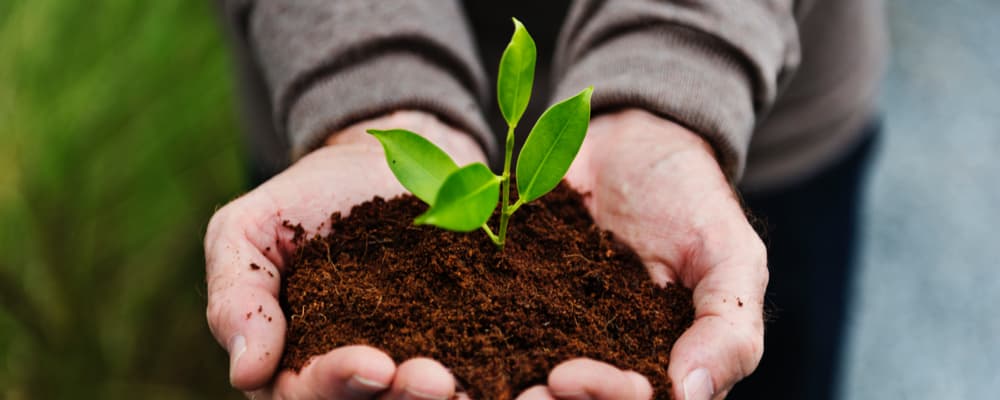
[{"x": 926, "y": 321}]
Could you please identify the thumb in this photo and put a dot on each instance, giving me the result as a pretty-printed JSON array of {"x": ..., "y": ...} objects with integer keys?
[
  {"x": 711, "y": 357},
  {"x": 243, "y": 311},
  {"x": 726, "y": 341}
]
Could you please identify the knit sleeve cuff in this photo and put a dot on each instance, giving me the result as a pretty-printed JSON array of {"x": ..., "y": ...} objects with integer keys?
[
  {"x": 678, "y": 73},
  {"x": 390, "y": 82}
]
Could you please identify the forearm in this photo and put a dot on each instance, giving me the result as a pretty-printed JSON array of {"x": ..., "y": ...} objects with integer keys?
[
  {"x": 713, "y": 67},
  {"x": 329, "y": 64}
]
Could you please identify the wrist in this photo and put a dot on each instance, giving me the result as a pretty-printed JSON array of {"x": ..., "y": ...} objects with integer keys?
[
  {"x": 633, "y": 126},
  {"x": 461, "y": 146},
  {"x": 637, "y": 137}
]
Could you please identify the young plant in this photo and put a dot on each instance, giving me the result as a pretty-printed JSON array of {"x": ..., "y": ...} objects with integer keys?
[{"x": 463, "y": 199}]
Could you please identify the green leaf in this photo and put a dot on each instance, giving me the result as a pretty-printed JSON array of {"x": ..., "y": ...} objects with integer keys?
[
  {"x": 466, "y": 200},
  {"x": 551, "y": 146},
  {"x": 417, "y": 163},
  {"x": 517, "y": 71}
]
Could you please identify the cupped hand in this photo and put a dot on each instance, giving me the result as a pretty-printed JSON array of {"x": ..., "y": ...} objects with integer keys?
[
  {"x": 659, "y": 188},
  {"x": 247, "y": 248}
]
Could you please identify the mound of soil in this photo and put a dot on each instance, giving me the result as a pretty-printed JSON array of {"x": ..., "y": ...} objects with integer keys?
[{"x": 562, "y": 288}]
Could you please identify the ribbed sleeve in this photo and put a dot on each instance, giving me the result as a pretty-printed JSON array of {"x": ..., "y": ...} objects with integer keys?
[
  {"x": 328, "y": 64},
  {"x": 714, "y": 66}
]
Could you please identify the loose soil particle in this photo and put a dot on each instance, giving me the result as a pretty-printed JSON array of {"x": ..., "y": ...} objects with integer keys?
[{"x": 562, "y": 288}]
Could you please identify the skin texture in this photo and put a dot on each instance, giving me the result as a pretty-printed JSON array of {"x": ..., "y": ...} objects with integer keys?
[
  {"x": 659, "y": 188},
  {"x": 349, "y": 170},
  {"x": 652, "y": 182}
]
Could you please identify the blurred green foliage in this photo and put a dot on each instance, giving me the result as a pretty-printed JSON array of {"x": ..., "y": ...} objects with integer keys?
[{"x": 117, "y": 141}]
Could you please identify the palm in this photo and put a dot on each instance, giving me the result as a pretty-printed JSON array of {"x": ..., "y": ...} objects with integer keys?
[
  {"x": 331, "y": 179},
  {"x": 243, "y": 310},
  {"x": 651, "y": 193},
  {"x": 659, "y": 189},
  {"x": 337, "y": 177}
]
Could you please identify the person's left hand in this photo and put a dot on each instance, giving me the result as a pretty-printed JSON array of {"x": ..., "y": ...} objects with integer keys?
[{"x": 658, "y": 187}]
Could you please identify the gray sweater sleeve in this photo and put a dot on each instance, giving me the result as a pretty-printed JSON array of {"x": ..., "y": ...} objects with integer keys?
[
  {"x": 328, "y": 64},
  {"x": 714, "y": 66}
]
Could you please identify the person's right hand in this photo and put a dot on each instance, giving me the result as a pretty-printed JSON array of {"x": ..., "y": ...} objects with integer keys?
[{"x": 350, "y": 169}]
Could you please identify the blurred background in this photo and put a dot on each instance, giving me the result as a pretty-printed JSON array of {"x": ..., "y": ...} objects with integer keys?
[
  {"x": 118, "y": 139},
  {"x": 926, "y": 312}
]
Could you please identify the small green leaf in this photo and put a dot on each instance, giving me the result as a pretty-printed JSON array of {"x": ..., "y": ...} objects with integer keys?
[
  {"x": 417, "y": 163},
  {"x": 466, "y": 200},
  {"x": 517, "y": 71},
  {"x": 551, "y": 146}
]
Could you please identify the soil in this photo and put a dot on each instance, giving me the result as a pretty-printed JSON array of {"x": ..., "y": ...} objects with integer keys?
[{"x": 562, "y": 288}]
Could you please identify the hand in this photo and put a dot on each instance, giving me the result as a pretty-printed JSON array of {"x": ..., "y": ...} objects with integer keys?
[
  {"x": 349, "y": 170},
  {"x": 658, "y": 187}
]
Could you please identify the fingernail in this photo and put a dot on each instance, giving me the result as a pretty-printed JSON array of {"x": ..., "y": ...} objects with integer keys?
[
  {"x": 237, "y": 346},
  {"x": 363, "y": 385},
  {"x": 698, "y": 385},
  {"x": 418, "y": 395}
]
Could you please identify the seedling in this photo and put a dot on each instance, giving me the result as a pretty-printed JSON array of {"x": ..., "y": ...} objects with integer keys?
[{"x": 463, "y": 199}]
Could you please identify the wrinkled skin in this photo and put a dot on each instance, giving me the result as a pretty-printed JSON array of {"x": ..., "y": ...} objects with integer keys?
[{"x": 653, "y": 183}]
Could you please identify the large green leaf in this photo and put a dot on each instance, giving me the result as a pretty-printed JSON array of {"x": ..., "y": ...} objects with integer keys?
[
  {"x": 417, "y": 163},
  {"x": 466, "y": 200},
  {"x": 517, "y": 71},
  {"x": 552, "y": 145}
]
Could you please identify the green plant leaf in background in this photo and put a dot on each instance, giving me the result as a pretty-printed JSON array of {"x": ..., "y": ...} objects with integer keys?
[
  {"x": 517, "y": 71},
  {"x": 419, "y": 165},
  {"x": 551, "y": 146},
  {"x": 466, "y": 200}
]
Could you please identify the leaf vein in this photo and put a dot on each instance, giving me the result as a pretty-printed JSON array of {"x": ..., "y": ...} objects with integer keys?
[{"x": 537, "y": 172}]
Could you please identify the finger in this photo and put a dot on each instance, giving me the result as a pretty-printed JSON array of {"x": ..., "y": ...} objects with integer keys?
[
  {"x": 643, "y": 389},
  {"x": 243, "y": 311},
  {"x": 583, "y": 379},
  {"x": 537, "y": 392},
  {"x": 421, "y": 379},
  {"x": 726, "y": 341},
  {"x": 349, "y": 373}
]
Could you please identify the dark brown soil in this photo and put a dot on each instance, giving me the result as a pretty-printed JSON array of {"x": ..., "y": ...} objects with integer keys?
[{"x": 500, "y": 321}]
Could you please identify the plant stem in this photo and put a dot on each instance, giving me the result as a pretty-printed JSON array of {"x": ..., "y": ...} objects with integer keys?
[
  {"x": 517, "y": 204},
  {"x": 493, "y": 236},
  {"x": 505, "y": 210}
]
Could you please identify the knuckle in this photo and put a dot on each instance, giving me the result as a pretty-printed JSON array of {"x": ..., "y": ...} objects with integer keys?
[
  {"x": 758, "y": 251},
  {"x": 223, "y": 218},
  {"x": 214, "y": 313},
  {"x": 758, "y": 257},
  {"x": 750, "y": 347},
  {"x": 234, "y": 212},
  {"x": 219, "y": 218},
  {"x": 217, "y": 225},
  {"x": 220, "y": 313}
]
